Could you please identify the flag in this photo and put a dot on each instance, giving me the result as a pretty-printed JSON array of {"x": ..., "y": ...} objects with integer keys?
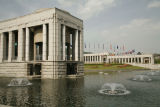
[
  {"x": 110, "y": 47},
  {"x": 103, "y": 46},
  {"x": 133, "y": 50},
  {"x": 123, "y": 48}
]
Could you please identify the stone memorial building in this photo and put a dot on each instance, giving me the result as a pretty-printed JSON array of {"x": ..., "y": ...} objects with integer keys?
[{"x": 47, "y": 42}]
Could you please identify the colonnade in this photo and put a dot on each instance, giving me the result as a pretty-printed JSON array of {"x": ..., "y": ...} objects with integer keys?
[
  {"x": 130, "y": 60},
  {"x": 90, "y": 59},
  {"x": 99, "y": 58},
  {"x": 50, "y": 41}
]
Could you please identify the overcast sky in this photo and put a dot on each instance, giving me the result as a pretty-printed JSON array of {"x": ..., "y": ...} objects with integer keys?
[{"x": 132, "y": 23}]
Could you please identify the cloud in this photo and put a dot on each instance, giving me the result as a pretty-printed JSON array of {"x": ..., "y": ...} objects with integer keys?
[
  {"x": 154, "y": 4},
  {"x": 137, "y": 27},
  {"x": 66, "y": 3},
  {"x": 142, "y": 34},
  {"x": 94, "y": 7}
]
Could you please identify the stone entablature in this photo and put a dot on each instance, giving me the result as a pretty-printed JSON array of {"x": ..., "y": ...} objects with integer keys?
[{"x": 41, "y": 17}]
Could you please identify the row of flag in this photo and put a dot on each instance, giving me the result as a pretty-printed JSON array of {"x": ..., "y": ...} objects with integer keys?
[
  {"x": 123, "y": 53},
  {"x": 103, "y": 46},
  {"x": 114, "y": 49}
]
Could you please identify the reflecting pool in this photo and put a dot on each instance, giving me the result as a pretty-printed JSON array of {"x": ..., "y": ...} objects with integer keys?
[{"x": 82, "y": 92}]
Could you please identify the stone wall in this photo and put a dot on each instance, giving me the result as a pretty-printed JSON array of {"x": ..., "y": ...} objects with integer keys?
[
  {"x": 53, "y": 70},
  {"x": 148, "y": 66},
  {"x": 58, "y": 69},
  {"x": 13, "y": 69}
]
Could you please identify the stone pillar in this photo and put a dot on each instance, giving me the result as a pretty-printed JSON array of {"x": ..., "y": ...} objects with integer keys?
[
  {"x": 44, "y": 42},
  {"x": 138, "y": 60},
  {"x": 76, "y": 45},
  {"x": 141, "y": 60},
  {"x": 10, "y": 50},
  {"x": 125, "y": 60},
  {"x": 81, "y": 45},
  {"x": 152, "y": 59},
  {"x": 100, "y": 58},
  {"x": 51, "y": 41},
  {"x": 119, "y": 60},
  {"x": 27, "y": 44},
  {"x": 64, "y": 41},
  {"x": 122, "y": 60},
  {"x": 1, "y": 47},
  {"x": 20, "y": 44},
  {"x": 135, "y": 59}
]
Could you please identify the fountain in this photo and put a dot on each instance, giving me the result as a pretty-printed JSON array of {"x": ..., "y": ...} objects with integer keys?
[
  {"x": 113, "y": 89},
  {"x": 100, "y": 72},
  {"x": 141, "y": 78},
  {"x": 19, "y": 82},
  {"x": 153, "y": 73}
]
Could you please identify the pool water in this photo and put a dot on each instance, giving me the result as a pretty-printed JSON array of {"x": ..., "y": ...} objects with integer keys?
[{"x": 82, "y": 92}]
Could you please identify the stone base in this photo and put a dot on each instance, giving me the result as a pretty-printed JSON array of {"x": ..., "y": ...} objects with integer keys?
[
  {"x": 58, "y": 69},
  {"x": 13, "y": 69},
  {"x": 49, "y": 69}
]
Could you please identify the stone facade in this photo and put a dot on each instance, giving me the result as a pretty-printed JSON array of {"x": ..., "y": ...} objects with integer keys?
[
  {"x": 47, "y": 42},
  {"x": 130, "y": 59}
]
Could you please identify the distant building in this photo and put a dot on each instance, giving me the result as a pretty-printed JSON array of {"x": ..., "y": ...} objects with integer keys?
[
  {"x": 107, "y": 58},
  {"x": 47, "y": 42}
]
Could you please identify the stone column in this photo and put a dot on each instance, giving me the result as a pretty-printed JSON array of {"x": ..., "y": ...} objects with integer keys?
[
  {"x": 119, "y": 60},
  {"x": 44, "y": 42},
  {"x": 152, "y": 59},
  {"x": 1, "y": 47},
  {"x": 64, "y": 41},
  {"x": 137, "y": 60},
  {"x": 122, "y": 60},
  {"x": 141, "y": 60},
  {"x": 76, "y": 45},
  {"x": 10, "y": 50},
  {"x": 20, "y": 44},
  {"x": 100, "y": 58},
  {"x": 125, "y": 60},
  {"x": 51, "y": 41},
  {"x": 27, "y": 44},
  {"x": 81, "y": 45}
]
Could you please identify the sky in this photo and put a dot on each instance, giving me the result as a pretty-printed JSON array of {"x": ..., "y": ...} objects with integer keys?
[{"x": 134, "y": 24}]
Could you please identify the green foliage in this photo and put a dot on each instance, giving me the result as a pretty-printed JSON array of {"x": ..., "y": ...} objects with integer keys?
[
  {"x": 157, "y": 61},
  {"x": 110, "y": 67}
]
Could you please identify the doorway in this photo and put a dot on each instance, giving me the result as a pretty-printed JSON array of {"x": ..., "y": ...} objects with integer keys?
[
  {"x": 39, "y": 51},
  {"x": 37, "y": 69},
  {"x": 71, "y": 68}
]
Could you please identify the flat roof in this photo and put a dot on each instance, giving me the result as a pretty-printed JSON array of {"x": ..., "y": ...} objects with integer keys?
[{"x": 38, "y": 11}]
